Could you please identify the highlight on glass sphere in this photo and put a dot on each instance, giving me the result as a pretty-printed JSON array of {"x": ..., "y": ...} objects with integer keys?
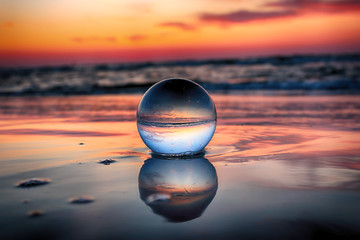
[
  {"x": 178, "y": 190},
  {"x": 176, "y": 117}
]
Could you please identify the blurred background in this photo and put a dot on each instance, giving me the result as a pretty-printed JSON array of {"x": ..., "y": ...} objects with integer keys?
[{"x": 108, "y": 46}]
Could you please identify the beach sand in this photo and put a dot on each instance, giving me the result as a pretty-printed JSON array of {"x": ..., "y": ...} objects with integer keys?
[{"x": 279, "y": 167}]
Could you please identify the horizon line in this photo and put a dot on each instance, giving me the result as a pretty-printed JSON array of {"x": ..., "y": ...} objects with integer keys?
[{"x": 176, "y": 60}]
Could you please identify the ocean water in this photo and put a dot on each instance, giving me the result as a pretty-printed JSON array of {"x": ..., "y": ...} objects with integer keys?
[
  {"x": 279, "y": 166},
  {"x": 334, "y": 73}
]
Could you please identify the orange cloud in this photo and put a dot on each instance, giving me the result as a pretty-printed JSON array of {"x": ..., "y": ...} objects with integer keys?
[
  {"x": 244, "y": 16},
  {"x": 137, "y": 37},
  {"x": 94, "y": 39},
  {"x": 180, "y": 25}
]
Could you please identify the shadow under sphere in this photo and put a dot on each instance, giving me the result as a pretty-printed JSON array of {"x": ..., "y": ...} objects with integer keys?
[{"x": 179, "y": 189}]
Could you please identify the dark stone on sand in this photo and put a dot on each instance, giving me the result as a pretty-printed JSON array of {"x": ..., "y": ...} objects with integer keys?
[
  {"x": 33, "y": 182},
  {"x": 81, "y": 143},
  {"x": 35, "y": 213},
  {"x": 81, "y": 199},
  {"x": 107, "y": 161}
]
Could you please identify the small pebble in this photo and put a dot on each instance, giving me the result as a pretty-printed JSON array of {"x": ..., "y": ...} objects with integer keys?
[
  {"x": 81, "y": 143},
  {"x": 33, "y": 182},
  {"x": 81, "y": 199},
  {"x": 35, "y": 213},
  {"x": 107, "y": 161}
]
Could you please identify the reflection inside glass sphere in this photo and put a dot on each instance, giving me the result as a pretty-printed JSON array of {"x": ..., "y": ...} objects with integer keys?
[
  {"x": 176, "y": 117},
  {"x": 178, "y": 189}
]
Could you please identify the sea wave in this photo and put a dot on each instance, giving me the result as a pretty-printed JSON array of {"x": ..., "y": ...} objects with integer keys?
[{"x": 310, "y": 72}]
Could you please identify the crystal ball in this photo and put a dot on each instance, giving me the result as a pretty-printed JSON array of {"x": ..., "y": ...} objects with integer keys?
[{"x": 176, "y": 117}]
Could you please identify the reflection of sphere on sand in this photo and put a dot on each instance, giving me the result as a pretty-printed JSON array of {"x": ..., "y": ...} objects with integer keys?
[{"x": 180, "y": 189}]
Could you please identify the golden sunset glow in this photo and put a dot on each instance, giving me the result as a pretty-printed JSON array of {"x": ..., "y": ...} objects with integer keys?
[{"x": 64, "y": 31}]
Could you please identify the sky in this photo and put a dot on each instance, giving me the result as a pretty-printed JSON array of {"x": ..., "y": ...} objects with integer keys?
[{"x": 51, "y": 32}]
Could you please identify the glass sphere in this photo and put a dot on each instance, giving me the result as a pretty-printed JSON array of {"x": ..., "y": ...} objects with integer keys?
[
  {"x": 176, "y": 117},
  {"x": 178, "y": 190}
]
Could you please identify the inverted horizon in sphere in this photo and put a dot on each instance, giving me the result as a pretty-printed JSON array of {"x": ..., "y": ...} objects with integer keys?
[{"x": 176, "y": 117}]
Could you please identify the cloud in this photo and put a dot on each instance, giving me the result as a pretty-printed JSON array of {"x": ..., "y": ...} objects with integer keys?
[
  {"x": 317, "y": 5},
  {"x": 137, "y": 37},
  {"x": 283, "y": 8},
  {"x": 94, "y": 39},
  {"x": 180, "y": 25},
  {"x": 244, "y": 16}
]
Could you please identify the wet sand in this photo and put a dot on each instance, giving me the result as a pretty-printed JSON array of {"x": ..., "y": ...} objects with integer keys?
[{"x": 286, "y": 167}]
